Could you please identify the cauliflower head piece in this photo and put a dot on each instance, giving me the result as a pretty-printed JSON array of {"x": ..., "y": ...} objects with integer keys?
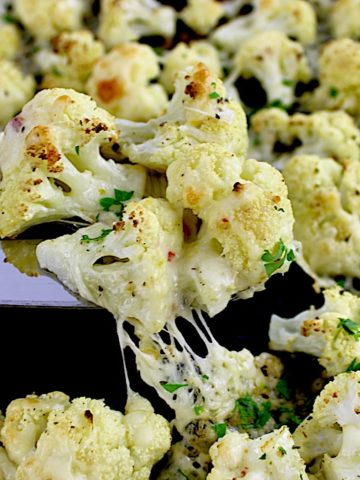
[
  {"x": 277, "y": 136},
  {"x": 329, "y": 436},
  {"x": 345, "y": 18},
  {"x": 51, "y": 163},
  {"x": 326, "y": 204},
  {"x": 183, "y": 56},
  {"x": 199, "y": 112},
  {"x": 121, "y": 83},
  {"x": 122, "y": 268},
  {"x": 127, "y": 20},
  {"x": 44, "y": 20},
  {"x": 85, "y": 438},
  {"x": 276, "y": 61},
  {"x": 336, "y": 90},
  {"x": 9, "y": 41},
  {"x": 16, "y": 88},
  {"x": 295, "y": 18},
  {"x": 252, "y": 226},
  {"x": 202, "y": 15},
  {"x": 271, "y": 456},
  {"x": 331, "y": 332},
  {"x": 70, "y": 61}
]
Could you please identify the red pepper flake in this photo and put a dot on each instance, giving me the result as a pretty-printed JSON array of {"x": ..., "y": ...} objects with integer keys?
[
  {"x": 170, "y": 256},
  {"x": 243, "y": 472}
]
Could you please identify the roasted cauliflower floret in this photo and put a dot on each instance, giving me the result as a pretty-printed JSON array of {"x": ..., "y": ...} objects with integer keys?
[
  {"x": 271, "y": 456},
  {"x": 9, "y": 41},
  {"x": 337, "y": 91},
  {"x": 202, "y": 15},
  {"x": 326, "y": 204},
  {"x": 16, "y": 89},
  {"x": 202, "y": 174},
  {"x": 295, "y": 18},
  {"x": 345, "y": 18},
  {"x": 277, "y": 137},
  {"x": 148, "y": 436},
  {"x": 277, "y": 62},
  {"x": 329, "y": 437},
  {"x": 51, "y": 165},
  {"x": 199, "y": 112},
  {"x": 121, "y": 83},
  {"x": 25, "y": 421},
  {"x": 331, "y": 332},
  {"x": 124, "y": 268},
  {"x": 183, "y": 56},
  {"x": 254, "y": 219},
  {"x": 70, "y": 61},
  {"x": 85, "y": 439},
  {"x": 44, "y": 20},
  {"x": 126, "y": 20}
]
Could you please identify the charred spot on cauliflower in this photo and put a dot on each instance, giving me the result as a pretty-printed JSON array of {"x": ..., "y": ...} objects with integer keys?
[
  {"x": 51, "y": 165},
  {"x": 121, "y": 83}
]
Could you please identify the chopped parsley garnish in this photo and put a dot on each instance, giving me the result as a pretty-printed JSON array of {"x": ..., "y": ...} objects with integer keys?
[
  {"x": 204, "y": 377},
  {"x": 214, "y": 95},
  {"x": 55, "y": 71},
  {"x": 333, "y": 92},
  {"x": 116, "y": 203},
  {"x": 103, "y": 234},
  {"x": 256, "y": 141},
  {"x": 288, "y": 416},
  {"x": 341, "y": 282},
  {"x": 8, "y": 18},
  {"x": 158, "y": 50},
  {"x": 282, "y": 451},
  {"x": 180, "y": 472},
  {"x": 350, "y": 327},
  {"x": 273, "y": 262},
  {"x": 252, "y": 415},
  {"x": 219, "y": 429},
  {"x": 287, "y": 82},
  {"x": 198, "y": 409},
  {"x": 278, "y": 104},
  {"x": 77, "y": 149},
  {"x": 354, "y": 366},
  {"x": 172, "y": 387},
  {"x": 283, "y": 390},
  {"x": 263, "y": 457}
]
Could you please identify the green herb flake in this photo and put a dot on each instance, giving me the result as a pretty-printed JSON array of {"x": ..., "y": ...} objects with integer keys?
[
  {"x": 252, "y": 415},
  {"x": 263, "y": 457},
  {"x": 278, "y": 104},
  {"x": 283, "y": 390},
  {"x": 256, "y": 141},
  {"x": 55, "y": 71},
  {"x": 172, "y": 387},
  {"x": 198, "y": 409},
  {"x": 103, "y": 234},
  {"x": 341, "y": 282},
  {"x": 116, "y": 203},
  {"x": 180, "y": 472},
  {"x": 204, "y": 377},
  {"x": 333, "y": 92},
  {"x": 350, "y": 327},
  {"x": 77, "y": 149},
  {"x": 354, "y": 366},
  {"x": 287, "y": 82},
  {"x": 220, "y": 429},
  {"x": 282, "y": 451},
  {"x": 8, "y": 18},
  {"x": 159, "y": 51},
  {"x": 214, "y": 95},
  {"x": 273, "y": 262}
]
